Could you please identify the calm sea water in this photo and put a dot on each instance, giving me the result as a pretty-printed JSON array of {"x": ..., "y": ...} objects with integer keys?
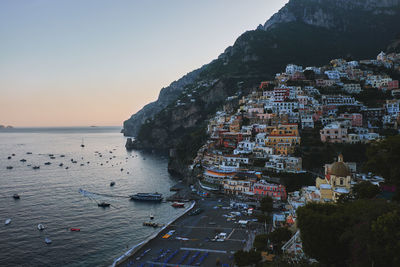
[{"x": 50, "y": 196}]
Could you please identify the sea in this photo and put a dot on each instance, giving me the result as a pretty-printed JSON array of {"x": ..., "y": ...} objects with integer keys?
[{"x": 51, "y": 196}]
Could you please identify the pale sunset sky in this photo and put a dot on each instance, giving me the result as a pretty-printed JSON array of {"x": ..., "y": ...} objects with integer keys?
[{"x": 96, "y": 62}]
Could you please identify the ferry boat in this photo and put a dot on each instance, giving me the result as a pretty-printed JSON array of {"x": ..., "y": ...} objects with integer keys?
[{"x": 147, "y": 197}]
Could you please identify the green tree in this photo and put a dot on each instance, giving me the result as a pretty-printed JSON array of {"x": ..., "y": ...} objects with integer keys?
[
  {"x": 280, "y": 236},
  {"x": 260, "y": 242},
  {"x": 386, "y": 239},
  {"x": 363, "y": 232},
  {"x": 383, "y": 157},
  {"x": 365, "y": 189},
  {"x": 244, "y": 258},
  {"x": 266, "y": 204}
]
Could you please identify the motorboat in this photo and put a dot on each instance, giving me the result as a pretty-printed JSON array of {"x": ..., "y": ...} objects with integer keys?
[
  {"x": 9, "y": 167},
  {"x": 40, "y": 227},
  {"x": 112, "y": 183},
  {"x": 151, "y": 217},
  {"x": 47, "y": 240},
  {"x": 16, "y": 196},
  {"x": 7, "y": 222},
  {"x": 103, "y": 204},
  {"x": 36, "y": 167},
  {"x": 23, "y": 160},
  {"x": 75, "y": 229},
  {"x": 47, "y": 163},
  {"x": 61, "y": 164}
]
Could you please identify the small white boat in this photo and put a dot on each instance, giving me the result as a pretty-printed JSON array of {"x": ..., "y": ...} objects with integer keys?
[
  {"x": 151, "y": 216},
  {"x": 7, "y": 222},
  {"x": 40, "y": 227},
  {"x": 47, "y": 240}
]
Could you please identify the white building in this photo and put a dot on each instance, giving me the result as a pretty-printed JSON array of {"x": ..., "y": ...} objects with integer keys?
[
  {"x": 333, "y": 74},
  {"x": 291, "y": 69}
]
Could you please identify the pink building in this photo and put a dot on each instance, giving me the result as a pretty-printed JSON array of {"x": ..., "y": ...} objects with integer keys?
[
  {"x": 334, "y": 133},
  {"x": 356, "y": 118},
  {"x": 276, "y": 191},
  {"x": 392, "y": 85},
  {"x": 281, "y": 94}
]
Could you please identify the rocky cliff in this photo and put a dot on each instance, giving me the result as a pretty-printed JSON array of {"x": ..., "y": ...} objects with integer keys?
[
  {"x": 166, "y": 96},
  {"x": 329, "y": 13}
]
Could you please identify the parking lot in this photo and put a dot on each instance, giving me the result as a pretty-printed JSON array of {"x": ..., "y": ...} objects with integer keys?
[{"x": 199, "y": 240}]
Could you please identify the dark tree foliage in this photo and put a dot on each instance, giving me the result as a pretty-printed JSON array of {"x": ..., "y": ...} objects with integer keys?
[
  {"x": 266, "y": 204},
  {"x": 279, "y": 236},
  {"x": 260, "y": 242},
  {"x": 383, "y": 159},
  {"x": 356, "y": 233},
  {"x": 244, "y": 258},
  {"x": 364, "y": 190}
]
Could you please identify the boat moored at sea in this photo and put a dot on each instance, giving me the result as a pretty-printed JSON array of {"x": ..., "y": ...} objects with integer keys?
[
  {"x": 40, "y": 227},
  {"x": 16, "y": 196},
  {"x": 103, "y": 204},
  {"x": 112, "y": 183},
  {"x": 47, "y": 240},
  {"x": 7, "y": 222},
  {"x": 156, "y": 197}
]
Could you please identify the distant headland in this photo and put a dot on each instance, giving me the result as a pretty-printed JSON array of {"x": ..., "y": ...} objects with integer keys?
[{"x": 6, "y": 127}]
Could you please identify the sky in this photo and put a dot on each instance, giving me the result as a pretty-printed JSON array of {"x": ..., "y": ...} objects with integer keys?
[{"x": 97, "y": 62}]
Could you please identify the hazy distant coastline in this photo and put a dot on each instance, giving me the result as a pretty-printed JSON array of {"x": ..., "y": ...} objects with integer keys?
[{"x": 68, "y": 129}]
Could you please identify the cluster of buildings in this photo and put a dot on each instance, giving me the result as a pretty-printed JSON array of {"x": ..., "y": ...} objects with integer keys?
[{"x": 260, "y": 134}]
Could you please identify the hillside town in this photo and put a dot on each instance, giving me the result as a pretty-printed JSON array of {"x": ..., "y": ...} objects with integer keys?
[{"x": 254, "y": 142}]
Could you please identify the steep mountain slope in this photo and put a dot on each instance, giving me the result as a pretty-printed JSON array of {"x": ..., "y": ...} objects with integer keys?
[{"x": 306, "y": 32}]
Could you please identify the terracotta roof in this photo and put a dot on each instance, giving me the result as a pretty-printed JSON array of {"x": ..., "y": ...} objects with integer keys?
[{"x": 339, "y": 169}]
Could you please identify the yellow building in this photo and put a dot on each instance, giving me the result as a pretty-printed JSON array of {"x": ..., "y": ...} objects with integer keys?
[{"x": 337, "y": 180}]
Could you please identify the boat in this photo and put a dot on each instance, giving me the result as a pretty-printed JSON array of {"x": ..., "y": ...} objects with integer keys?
[
  {"x": 47, "y": 163},
  {"x": 103, "y": 204},
  {"x": 61, "y": 164},
  {"x": 178, "y": 205},
  {"x": 112, "y": 183},
  {"x": 147, "y": 197},
  {"x": 151, "y": 216},
  {"x": 62, "y": 156},
  {"x": 23, "y": 160},
  {"x": 29, "y": 153},
  {"x": 75, "y": 229},
  {"x": 52, "y": 157},
  {"x": 47, "y": 240},
  {"x": 82, "y": 145},
  {"x": 16, "y": 196},
  {"x": 152, "y": 224},
  {"x": 9, "y": 167},
  {"x": 40, "y": 227},
  {"x": 7, "y": 222},
  {"x": 36, "y": 167}
]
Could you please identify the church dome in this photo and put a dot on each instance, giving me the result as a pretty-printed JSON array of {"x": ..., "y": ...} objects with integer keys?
[{"x": 340, "y": 169}]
